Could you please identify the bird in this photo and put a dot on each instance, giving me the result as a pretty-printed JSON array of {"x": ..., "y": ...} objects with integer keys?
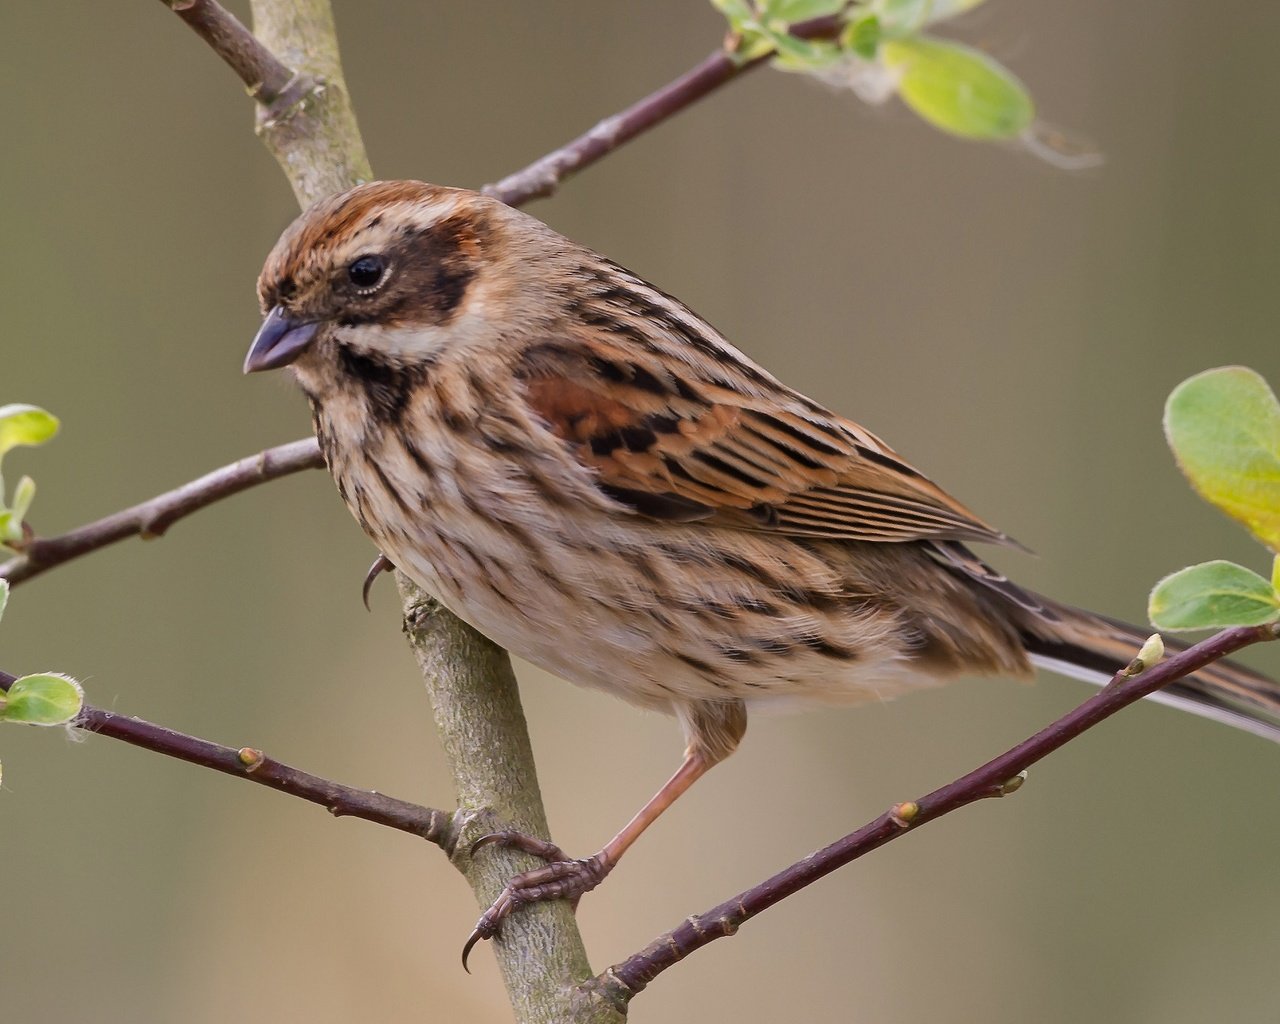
[{"x": 591, "y": 475}]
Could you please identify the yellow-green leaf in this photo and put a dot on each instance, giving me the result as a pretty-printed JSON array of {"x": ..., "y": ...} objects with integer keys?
[
  {"x": 862, "y": 36},
  {"x": 23, "y": 495},
  {"x": 901, "y": 17},
  {"x": 10, "y": 527},
  {"x": 1224, "y": 428},
  {"x": 905, "y": 17},
  {"x": 25, "y": 424},
  {"x": 958, "y": 89},
  {"x": 736, "y": 11},
  {"x": 802, "y": 55},
  {"x": 792, "y": 11},
  {"x": 1212, "y": 595},
  {"x": 44, "y": 699}
]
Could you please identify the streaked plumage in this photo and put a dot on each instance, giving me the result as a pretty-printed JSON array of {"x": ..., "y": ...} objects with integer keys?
[{"x": 588, "y": 473}]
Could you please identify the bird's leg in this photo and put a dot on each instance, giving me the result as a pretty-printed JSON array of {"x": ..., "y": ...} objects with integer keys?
[
  {"x": 563, "y": 878},
  {"x": 713, "y": 728}
]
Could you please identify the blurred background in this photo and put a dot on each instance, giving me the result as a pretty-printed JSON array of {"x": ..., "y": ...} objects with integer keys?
[{"x": 1010, "y": 328}]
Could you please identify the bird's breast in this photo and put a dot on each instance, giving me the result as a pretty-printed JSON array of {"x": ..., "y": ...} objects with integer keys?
[{"x": 514, "y": 537}]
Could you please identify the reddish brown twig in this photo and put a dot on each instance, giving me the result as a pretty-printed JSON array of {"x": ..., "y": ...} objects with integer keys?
[
  {"x": 622, "y": 981},
  {"x": 276, "y": 86},
  {"x": 247, "y": 763},
  {"x": 544, "y": 175},
  {"x": 268, "y": 80},
  {"x": 152, "y": 517}
]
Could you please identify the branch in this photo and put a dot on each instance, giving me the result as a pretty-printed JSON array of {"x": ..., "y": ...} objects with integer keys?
[
  {"x": 153, "y": 517},
  {"x": 621, "y": 982},
  {"x": 542, "y": 957},
  {"x": 477, "y": 711},
  {"x": 246, "y": 763},
  {"x": 268, "y": 80},
  {"x": 304, "y": 116},
  {"x": 316, "y": 143},
  {"x": 543, "y": 176}
]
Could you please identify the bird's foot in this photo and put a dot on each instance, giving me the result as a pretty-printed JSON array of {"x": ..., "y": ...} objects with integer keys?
[{"x": 560, "y": 878}]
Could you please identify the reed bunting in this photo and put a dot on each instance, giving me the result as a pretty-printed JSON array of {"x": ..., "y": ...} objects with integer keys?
[{"x": 587, "y": 472}]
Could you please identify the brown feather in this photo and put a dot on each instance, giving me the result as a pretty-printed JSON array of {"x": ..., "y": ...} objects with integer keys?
[{"x": 755, "y": 461}]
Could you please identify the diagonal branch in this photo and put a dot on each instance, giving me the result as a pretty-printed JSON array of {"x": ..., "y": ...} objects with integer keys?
[
  {"x": 998, "y": 777},
  {"x": 433, "y": 825},
  {"x": 267, "y": 79},
  {"x": 543, "y": 176},
  {"x": 152, "y": 517}
]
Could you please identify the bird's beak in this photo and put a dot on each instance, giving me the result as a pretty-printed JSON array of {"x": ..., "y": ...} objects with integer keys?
[{"x": 279, "y": 342}]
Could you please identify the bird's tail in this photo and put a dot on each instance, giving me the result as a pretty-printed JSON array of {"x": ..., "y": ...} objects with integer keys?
[{"x": 1093, "y": 647}]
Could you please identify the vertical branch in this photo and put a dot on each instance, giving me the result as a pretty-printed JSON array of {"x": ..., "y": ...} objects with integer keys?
[
  {"x": 317, "y": 143},
  {"x": 477, "y": 710}
]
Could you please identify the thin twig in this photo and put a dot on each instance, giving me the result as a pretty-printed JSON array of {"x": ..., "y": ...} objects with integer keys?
[
  {"x": 543, "y": 176},
  {"x": 435, "y": 826},
  {"x": 269, "y": 81},
  {"x": 996, "y": 778},
  {"x": 152, "y": 517}
]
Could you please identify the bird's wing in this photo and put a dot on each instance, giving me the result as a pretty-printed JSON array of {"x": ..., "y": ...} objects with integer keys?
[{"x": 709, "y": 437}]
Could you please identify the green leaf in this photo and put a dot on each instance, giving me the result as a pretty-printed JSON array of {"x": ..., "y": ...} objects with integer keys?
[
  {"x": 25, "y": 424},
  {"x": 902, "y": 17},
  {"x": 792, "y": 11},
  {"x": 862, "y": 36},
  {"x": 1212, "y": 595},
  {"x": 10, "y": 528},
  {"x": 739, "y": 13},
  {"x": 958, "y": 89},
  {"x": 753, "y": 44},
  {"x": 11, "y": 531},
  {"x": 23, "y": 495},
  {"x": 45, "y": 699},
  {"x": 4, "y": 595},
  {"x": 800, "y": 54},
  {"x": 1224, "y": 428},
  {"x": 734, "y": 10},
  {"x": 906, "y": 17}
]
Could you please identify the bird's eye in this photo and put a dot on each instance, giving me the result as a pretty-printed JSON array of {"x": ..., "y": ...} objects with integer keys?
[{"x": 367, "y": 271}]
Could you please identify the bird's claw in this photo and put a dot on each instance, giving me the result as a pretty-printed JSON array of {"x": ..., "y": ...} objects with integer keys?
[
  {"x": 513, "y": 840},
  {"x": 380, "y": 565},
  {"x": 560, "y": 878}
]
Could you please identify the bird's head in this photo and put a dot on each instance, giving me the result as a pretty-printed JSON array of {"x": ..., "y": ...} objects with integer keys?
[{"x": 390, "y": 271}]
